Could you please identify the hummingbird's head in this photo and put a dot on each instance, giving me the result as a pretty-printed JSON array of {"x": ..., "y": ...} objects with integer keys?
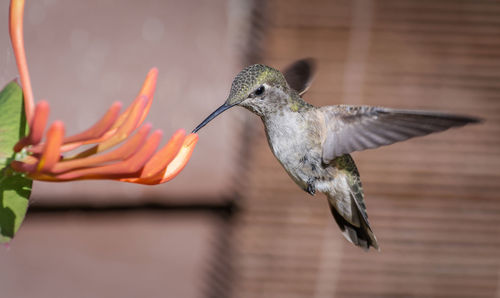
[
  {"x": 252, "y": 88},
  {"x": 263, "y": 89},
  {"x": 254, "y": 83}
]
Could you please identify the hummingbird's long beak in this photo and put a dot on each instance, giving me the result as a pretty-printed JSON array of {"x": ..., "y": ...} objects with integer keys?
[{"x": 219, "y": 110}]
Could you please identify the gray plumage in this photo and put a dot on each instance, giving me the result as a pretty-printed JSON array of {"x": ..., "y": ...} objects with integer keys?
[
  {"x": 313, "y": 143},
  {"x": 356, "y": 128}
]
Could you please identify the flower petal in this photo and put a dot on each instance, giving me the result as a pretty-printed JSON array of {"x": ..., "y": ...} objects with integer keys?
[
  {"x": 51, "y": 151},
  {"x": 121, "y": 133},
  {"x": 97, "y": 133},
  {"x": 180, "y": 161},
  {"x": 122, "y": 169},
  {"x": 174, "y": 168},
  {"x": 121, "y": 153},
  {"x": 165, "y": 155},
  {"x": 106, "y": 130},
  {"x": 98, "y": 129},
  {"x": 147, "y": 90},
  {"x": 37, "y": 127}
]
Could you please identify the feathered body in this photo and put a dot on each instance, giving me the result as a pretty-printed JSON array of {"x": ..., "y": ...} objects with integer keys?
[
  {"x": 313, "y": 143},
  {"x": 295, "y": 132}
]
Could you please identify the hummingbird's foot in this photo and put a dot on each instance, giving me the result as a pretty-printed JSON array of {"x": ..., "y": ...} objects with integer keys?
[{"x": 310, "y": 187}]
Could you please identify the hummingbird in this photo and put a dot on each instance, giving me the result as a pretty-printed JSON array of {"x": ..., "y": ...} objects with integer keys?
[{"x": 313, "y": 144}]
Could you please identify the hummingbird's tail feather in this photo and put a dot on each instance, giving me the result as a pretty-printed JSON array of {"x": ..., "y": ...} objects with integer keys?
[
  {"x": 361, "y": 235},
  {"x": 346, "y": 200}
]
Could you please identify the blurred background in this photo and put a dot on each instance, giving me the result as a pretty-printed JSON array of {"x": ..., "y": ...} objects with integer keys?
[{"x": 233, "y": 224}]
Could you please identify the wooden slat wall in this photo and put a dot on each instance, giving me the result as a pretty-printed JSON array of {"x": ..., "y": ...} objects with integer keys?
[{"x": 434, "y": 202}]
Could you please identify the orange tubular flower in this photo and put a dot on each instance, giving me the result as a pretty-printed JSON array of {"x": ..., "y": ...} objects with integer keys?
[{"x": 136, "y": 160}]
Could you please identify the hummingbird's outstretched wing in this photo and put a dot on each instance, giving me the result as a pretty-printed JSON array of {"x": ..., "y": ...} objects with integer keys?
[
  {"x": 300, "y": 74},
  {"x": 356, "y": 128}
]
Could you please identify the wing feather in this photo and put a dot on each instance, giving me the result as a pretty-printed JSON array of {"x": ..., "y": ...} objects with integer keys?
[{"x": 356, "y": 128}]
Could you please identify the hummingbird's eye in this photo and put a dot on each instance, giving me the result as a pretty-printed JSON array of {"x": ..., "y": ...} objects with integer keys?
[{"x": 259, "y": 91}]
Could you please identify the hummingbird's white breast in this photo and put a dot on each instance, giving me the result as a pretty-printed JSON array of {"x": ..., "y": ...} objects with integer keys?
[{"x": 295, "y": 143}]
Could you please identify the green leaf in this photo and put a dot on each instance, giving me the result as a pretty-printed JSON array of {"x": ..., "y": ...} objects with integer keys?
[{"x": 15, "y": 189}]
